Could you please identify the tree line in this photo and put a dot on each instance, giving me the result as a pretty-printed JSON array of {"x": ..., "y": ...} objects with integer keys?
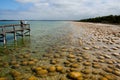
[{"x": 113, "y": 19}]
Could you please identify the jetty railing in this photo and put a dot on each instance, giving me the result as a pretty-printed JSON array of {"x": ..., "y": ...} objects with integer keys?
[{"x": 16, "y": 29}]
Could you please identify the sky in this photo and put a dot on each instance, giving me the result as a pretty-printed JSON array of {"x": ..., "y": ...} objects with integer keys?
[{"x": 57, "y": 9}]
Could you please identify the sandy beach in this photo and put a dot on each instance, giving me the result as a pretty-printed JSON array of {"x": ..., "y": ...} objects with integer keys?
[{"x": 91, "y": 51}]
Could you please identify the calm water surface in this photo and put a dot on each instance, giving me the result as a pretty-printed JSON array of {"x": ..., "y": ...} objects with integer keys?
[{"x": 43, "y": 34}]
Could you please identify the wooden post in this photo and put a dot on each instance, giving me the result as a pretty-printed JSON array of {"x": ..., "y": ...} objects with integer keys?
[
  {"x": 4, "y": 38},
  {"x": 4, "y": 35},
  {"x": 14, "y": 33},
  {"x": 22, "y": 29},
  {"x": 15, "y": 36},
  {"x": 22, "y": 33},
  {"x": 29, "y": 30}
]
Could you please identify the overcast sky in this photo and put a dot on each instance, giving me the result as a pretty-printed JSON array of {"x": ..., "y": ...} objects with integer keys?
[{"x": 57, "y": 9}]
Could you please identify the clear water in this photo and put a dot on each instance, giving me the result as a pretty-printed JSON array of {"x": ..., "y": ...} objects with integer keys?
[
  {"x": 43, "y": 34},
  {"x": 57, "y": 39}
]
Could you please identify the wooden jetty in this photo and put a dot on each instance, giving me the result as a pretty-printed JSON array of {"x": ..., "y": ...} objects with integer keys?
[{"x": 16, "y": 29}]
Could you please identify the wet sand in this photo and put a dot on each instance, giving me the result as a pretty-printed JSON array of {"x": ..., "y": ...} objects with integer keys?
[{"x": 90, "y": 51}]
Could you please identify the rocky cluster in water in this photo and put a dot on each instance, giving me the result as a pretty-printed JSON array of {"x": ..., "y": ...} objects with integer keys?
[{"x": 95, "y": 57}]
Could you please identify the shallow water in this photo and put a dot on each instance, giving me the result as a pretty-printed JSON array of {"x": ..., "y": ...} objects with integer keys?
[
  {"x": 50, "y": 44},
  {"x": 42, "y": 33}
]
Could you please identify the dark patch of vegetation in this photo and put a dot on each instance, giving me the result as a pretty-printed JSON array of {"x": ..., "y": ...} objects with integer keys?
[{"x": 113, "y": 19}]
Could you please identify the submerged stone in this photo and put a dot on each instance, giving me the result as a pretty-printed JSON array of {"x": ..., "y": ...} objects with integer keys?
[
  {"x": 71, "y": 56},
  {"x": 15, "y": 73},
  {"x": 37, "y": 68},
  {"x": 87, "y": 63},
  {"x": 59, "y": 68},
  {"x": 103, "y": 78},
  {"x": 24, "y": 63},
  {"x": 86, "y": 71},
  {"x": 63, "y": 78},
  {"x": 75, "y": 65},
  {"x": 110, "y": 77},
  {"x": 116, "y": 54},
  {"x": 96, "y": 65},
  {"x": 116, "y": 72},
  {"x": 52, "y": 69},
  {"x": 32, "y": 78},
  {"x": 3, "y": 78},
  {"x": 75, "y": 75},
  {"x": 42, "y": 72},
  {"x": 53, "y": 61},
  {"x": 16, "y": 66},
  {"x": 86, "y": 48},
  {"x": 31, "y": 62}
]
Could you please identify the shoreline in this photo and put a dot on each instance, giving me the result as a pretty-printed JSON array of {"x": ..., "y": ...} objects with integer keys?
[{"x": 105, "y": 28}]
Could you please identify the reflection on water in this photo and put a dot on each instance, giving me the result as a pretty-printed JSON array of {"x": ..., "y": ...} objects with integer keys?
[{"x": 11, "y": 43}]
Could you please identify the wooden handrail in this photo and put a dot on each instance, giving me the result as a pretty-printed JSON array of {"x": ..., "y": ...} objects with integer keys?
[
  {"x": 13, "y": 25},
  {"x": 23, "y": 27},
  {"x": 15, "y": 28}
]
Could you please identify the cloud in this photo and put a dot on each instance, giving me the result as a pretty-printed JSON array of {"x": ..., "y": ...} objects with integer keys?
[
  {"x": 28, "y": 1},
  {"x": 66, "y": 9}
]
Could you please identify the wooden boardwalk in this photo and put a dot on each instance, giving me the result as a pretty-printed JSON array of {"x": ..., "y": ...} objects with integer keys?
[{"x": 16, "y": 29}]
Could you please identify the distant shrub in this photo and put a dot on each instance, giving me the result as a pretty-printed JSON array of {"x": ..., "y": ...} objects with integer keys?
[{"x": 114, "y": 19}]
